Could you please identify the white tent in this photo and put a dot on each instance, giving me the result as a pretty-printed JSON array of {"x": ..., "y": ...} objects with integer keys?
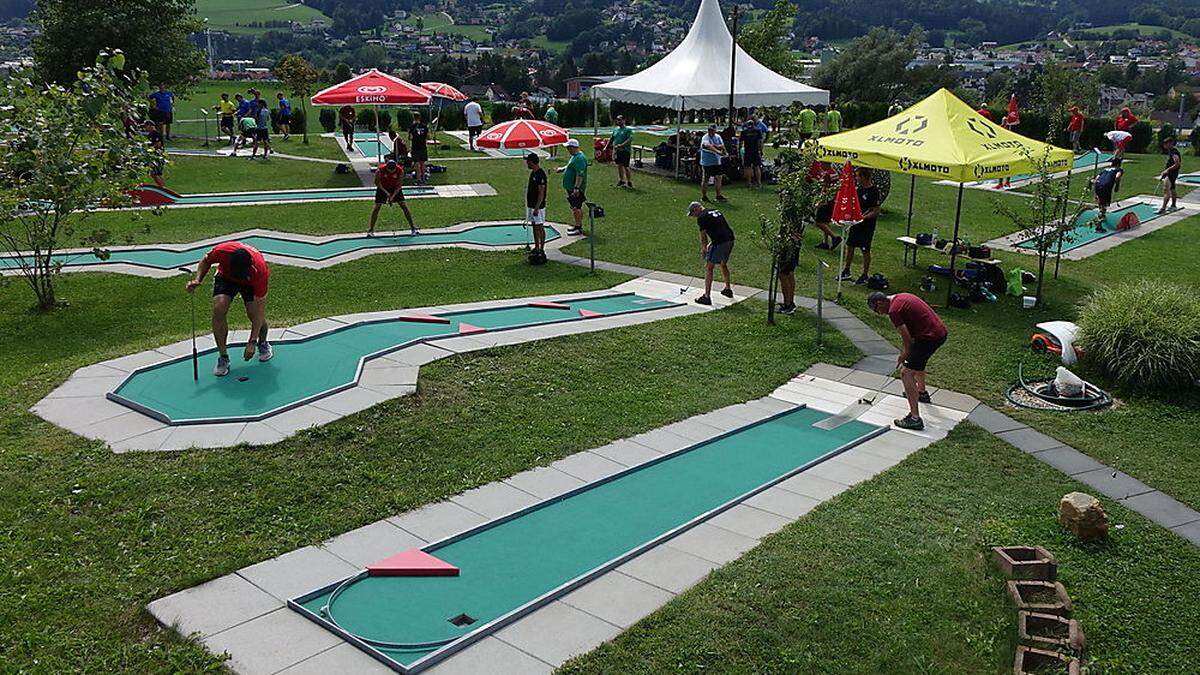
[{"x": 695, "y": 76}]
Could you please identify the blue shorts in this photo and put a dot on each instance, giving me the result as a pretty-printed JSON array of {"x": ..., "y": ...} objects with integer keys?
[{"x": 719, "y": 253}]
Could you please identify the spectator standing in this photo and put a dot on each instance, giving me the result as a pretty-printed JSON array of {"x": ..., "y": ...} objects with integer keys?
[
  {"x": 163, "y": 111},
  {"x": 752, "y": 144},
  {"x": 474, "y": 114},
  {"x": 1125, "y": 120},
  {"x": 1075, "y": 128},
  {"x": 833, "y": 120},
  {"x": 575, "y": 184},
  {"x": 262, "y": 130},
  {"x": 226, "y": 110},
  {"x": 712, "y": 150},
  {"x": 285, "y": 115},
  {"x": 418, "y": 136},
  {"x": 346, "y": 116},
  {"x": 621, "y": 142},
  {"x": 552, "y": 117},
  {"x": 808, "y": 123},
  {"x": 862, "y": 233}
]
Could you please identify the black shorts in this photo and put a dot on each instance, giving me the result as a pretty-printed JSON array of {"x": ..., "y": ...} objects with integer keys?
[
  {"x": 262, "y": 134},
  {"x": 621, "y": 157},
  {"x": 789, "y": 258},
  {"x": 861, "y": 235},
  {"x": 347, "y": 128},
  {"x": 227, "y": 124},
  {"x": 223, "y": 286},
  {"x": 474, "y": 131},
  {"x": 919, "y": 355},
  {"x": 576, "y": 199},
  {"x": 710, "y": 171},
  {"x": 381, "y": 197},
  {"x": 285, "y": 118},
  {"x": 419, "y": 153},
  {"x": 1171, "y": 178},
  {"x": 1104, "y": 195},
  {"x": 162, "y": 117},
  {"x": 825, "y": 213},
  {"x": 752, "y": 160}
]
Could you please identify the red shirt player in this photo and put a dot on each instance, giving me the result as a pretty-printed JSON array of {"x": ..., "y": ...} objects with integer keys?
[
  {"x": 389, "y": 189},
  {"x": 922, "y": 332},
  {"x": 241, "y": 270},
  {"x": 1125, "y": 120},
  {"x": 1075, "y": 127},
  {"x": 985, "y": 113}
]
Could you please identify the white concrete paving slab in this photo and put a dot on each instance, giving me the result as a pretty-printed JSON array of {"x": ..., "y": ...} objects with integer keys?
[
  {"x": 270, "y": 643},
  {"x": 627, "y": 453},
  {"x": 492, "y": 656},
  {"x": 714, "y": 544},
  {"x": 341, "y": 658},
  {"x": 372, "y": 543},
  {"x": 668, "y": 568},
  {"x": 587, "y": 466},
  {"x": 213, "y": 606},
  {"x": 438, "y": 521},
  {"x": 618, "y": 599},
  {"x": 749, "y": 521},
  {"x": 494, "y": 499},
  {"x": 296, "y": 572},
  {"x": 784, "y": 503},
  {"x": 558, "y": 632},
  {"x": 544, "y": 482}
]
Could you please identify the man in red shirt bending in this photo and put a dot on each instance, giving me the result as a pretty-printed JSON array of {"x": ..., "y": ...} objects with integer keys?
[
  {"x": 389, "y": 189},
  {"x": 241, "y": 270},
  {"x": 923, "y": 332}
]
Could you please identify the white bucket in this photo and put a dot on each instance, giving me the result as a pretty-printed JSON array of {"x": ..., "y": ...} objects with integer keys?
[{"x": 1028, "y": 301}]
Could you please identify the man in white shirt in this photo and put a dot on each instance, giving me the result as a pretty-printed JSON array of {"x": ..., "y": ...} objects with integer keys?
[
  {"x": 474, "y": 114},
  {"x": 712, "y": 150}
]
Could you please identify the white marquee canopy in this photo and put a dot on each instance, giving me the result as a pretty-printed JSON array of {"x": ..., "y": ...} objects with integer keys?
[{"x": 695, "y": 75}]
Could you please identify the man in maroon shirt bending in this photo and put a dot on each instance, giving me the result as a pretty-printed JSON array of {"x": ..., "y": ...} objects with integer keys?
[{"x": 923, "y": 332}]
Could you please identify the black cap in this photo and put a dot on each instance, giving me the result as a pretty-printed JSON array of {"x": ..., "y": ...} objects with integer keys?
[{"x": 533, "y": 157}]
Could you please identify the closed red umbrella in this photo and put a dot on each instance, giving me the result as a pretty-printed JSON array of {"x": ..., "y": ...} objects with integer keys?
[
  {"x": 846, "y": 208},
  {"x": 520, "y": 134},
  {"x": 443, "y": 90},
  {"x": 1013, "y": 117}
]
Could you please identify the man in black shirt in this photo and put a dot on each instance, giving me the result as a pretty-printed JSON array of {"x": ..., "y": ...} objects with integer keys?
[
  {"x": 716, "y": 243},
  {"x": 418, "y": 136},
  {"x": 535, "y": 201},
  {"x": 862, "y": 233},
  {"x": 752, "y": 143},
  {"x": 1170, "y": 174}
]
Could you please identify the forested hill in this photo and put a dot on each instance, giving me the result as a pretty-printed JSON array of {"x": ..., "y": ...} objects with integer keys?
[{"x": 15, "y": 9}]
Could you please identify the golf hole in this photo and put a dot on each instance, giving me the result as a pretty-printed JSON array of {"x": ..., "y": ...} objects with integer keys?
[
  {"x": 243, "y": 378},
  {"x": 462, "y": 620}
]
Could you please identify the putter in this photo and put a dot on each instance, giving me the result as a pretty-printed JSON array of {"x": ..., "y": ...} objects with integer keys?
[
  {"x": 851, "y": 412},
  {"x": 195, "y": 355},
  {"x": 687, "y": 288}
]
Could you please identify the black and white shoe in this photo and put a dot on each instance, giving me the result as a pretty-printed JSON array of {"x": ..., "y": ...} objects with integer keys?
[
  {"x": 785, "y": 309},
  {"x": 845, "y": 276},
  {"x": 861, "y": 280},
  {"x": 575, "y": 231},
  {"x": 704, "y": 300},
  {"x": 727, "y": 292},
  {"x": 909, "y": 422},
  {"x": 923, "y": 397}
]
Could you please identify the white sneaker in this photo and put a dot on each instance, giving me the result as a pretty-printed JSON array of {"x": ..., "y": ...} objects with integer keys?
[
  {"x": 265, "y": 352},
  {"x": 222, "y": 367}
]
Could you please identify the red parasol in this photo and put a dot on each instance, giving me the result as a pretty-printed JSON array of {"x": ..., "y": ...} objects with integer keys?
[
  {"x": 518, "y": 134},
  {"x": 443, "y": 90},
  {"x": 373, "y": 88},
  {"x": 846, "y": 208}
]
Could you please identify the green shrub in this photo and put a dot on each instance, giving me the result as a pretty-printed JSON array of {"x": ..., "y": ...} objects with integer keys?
[
  {"x": 328, "y": 119},
  {"x": 1143, "y": 334}
]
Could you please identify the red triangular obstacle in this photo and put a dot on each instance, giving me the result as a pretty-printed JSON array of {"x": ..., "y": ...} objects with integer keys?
[
  {"x": 412, "y": 563},
  {"x": 587, "y": 313},
  {"x": 549, "y": 305},
  {"x": 424, "y": 318},
  {"x": 467, "y": 329}
]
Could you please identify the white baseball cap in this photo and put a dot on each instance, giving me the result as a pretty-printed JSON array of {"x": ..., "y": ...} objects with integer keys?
[{"x": 573, "y": 143}]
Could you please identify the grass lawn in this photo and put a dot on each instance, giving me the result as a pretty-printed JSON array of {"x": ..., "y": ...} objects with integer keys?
[
  {"x": 895, "y": 577},
  {"x": 235, "y": 15},
  {"x": 441, "y": 22},
  {"x": 317, "y": 147},
  {"x": 188, "y": 174}
]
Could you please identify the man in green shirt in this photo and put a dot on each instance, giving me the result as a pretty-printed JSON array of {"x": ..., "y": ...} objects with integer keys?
[
  {"x": 552, "y": 118},
  {"x": 249, "y": 129},
  {"x": 575, "y": 183},
  {"x": 808, "y": 123},
  {"x": 622, "y": 147},
  {"x": 833, "y": 120}
]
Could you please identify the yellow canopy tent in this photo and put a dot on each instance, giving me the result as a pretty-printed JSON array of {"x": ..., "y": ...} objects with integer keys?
[{"x": 942, "y": 137}]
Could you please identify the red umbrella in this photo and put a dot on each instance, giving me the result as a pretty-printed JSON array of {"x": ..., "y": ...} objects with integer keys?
[
  {"x": 518, "y": 134},
  {"x": 846, "y": 208},
  {"x": 373, "y": 88},
  {"x": 443, "y": 90}
]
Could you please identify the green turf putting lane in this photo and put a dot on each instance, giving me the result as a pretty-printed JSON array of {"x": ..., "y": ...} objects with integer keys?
[
  {"x": 310, "y": 368},
  {"x": 166, "y": 259},
  {"x": 1085, "y": 231},
  {"x": 512, "y": 565}
]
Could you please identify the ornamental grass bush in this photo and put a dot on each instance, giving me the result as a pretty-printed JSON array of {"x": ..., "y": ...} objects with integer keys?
[{"x": 1143, "y": 334}]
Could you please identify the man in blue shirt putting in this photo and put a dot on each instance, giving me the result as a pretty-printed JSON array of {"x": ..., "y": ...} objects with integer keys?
[{"x": 163, "y": 111}]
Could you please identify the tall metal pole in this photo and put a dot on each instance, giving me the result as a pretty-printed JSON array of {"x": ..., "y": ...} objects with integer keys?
[
  {"x": 678, "y": 137},
  {"x": 954, "y": 244},
  {"x": 733, "y": 62},
  {"x": 912, "y": 188}
]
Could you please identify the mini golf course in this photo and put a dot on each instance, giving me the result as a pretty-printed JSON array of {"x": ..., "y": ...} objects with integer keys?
[
  {"x": 155, "y": 196},
  {"x": 1085, "y": 231},
  {"x": 419, "y": 606},
  {"x": 162, "y": 258},
  {"x": 312, "y": 367}
]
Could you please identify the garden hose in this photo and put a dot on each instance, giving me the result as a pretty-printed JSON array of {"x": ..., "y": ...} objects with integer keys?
[{"x": 1092, "y": 398}]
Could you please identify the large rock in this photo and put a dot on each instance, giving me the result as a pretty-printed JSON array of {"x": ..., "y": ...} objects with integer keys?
[{"x": 1083, "y": 515}]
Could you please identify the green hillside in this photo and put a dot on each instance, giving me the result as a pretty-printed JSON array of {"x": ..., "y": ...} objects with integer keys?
[{"x": 236, "y": 16}]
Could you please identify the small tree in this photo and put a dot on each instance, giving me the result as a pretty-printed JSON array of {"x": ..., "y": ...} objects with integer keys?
[
  {"x": 66, "y": 154},
  {"x": 298, "y": 76},
  {"x": 799, "y": 199}
]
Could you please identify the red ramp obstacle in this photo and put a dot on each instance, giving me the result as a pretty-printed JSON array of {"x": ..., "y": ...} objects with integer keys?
[
  {"x": 152, "y": 195},
  {"x": 587, "y": 313},
  {"x": 412, "y": 563},
  {"x": 468, "y": 329}
]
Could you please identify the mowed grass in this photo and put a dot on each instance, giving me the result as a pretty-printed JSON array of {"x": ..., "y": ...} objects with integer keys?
[
  {"x": 234, "y": 16},
  {"x": 91, "y": 537},
  {"x": 189, "y": 174},
  {"x": 895, "y": 576}
]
